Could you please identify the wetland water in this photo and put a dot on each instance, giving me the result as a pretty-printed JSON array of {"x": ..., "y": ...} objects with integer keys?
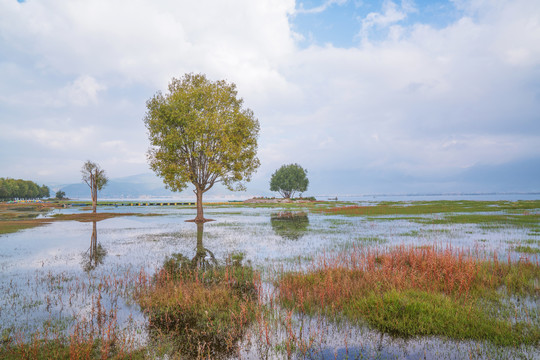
[{"x": 55, "y": 275}]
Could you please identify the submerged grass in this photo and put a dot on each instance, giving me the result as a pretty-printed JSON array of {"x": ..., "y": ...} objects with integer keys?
[
  {"x": 435, "y": 207},
  {"x": 527, "y": 249},
  {"x": 487, "y": 215},
  {"x": 11, "y": 226},
  {"x": 409, "y": 291},
  {"x": 8, "y": 227},
  {"x": 93, "y": 335},
  {"x": 490, "y": 221},
  {"x": 15, "y": 217}
]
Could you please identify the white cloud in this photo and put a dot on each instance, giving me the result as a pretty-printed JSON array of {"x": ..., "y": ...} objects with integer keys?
[
  {"x": 83, "y": 90},
  {"x": 321, "y": 8},
  {"x": 52, "y": 139},
  {"x": 151, "y": 41},
  {"x": 391, "y": 14},
  {"x": 419, "y": 99}
]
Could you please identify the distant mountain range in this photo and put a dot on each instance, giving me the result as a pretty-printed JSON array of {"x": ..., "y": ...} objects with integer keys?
[
  {"x": 150, "y": 186},
  {"x": 519, "y": 176}
]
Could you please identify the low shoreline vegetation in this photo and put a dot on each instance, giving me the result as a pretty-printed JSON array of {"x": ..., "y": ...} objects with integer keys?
[
  {"x": 20, "y": 218},
  {"x": 199, "y": 309},
  {"x": 435, "y": 207},
  {"x": 408, "y": 291}
]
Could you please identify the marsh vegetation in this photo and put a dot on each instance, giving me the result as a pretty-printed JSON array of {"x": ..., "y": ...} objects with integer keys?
[{"x": 394, "y": 280}]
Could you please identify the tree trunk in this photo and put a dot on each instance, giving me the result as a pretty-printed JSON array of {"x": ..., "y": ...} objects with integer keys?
[
  {"x": 200, "y": 215},
  {"x": 94, "y": 200}
]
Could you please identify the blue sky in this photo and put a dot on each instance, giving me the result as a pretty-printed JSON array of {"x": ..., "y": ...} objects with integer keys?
[
  {"x": 369, "y": 96},
  {"x": 339, "y": 22}
]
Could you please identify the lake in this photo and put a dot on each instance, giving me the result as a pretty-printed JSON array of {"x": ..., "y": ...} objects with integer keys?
[{"x": 55, "y": 275}]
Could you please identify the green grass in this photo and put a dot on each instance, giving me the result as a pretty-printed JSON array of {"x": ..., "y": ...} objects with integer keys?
[
  {"x": 8, "y": 227},
  {"x": 521, "y": 214},
  {"x": 359, "y": 241},
  {"x": 527, "y": 249},
  {"x": 65, "y": 349},
  {"x": 490, "y": 221},
  {"x": 415, "y": 312},
  {"x": 19, "y": 217},
  {"x": 370, "y": 240},
  {"x": 485, "y": 221},
  {"x": 435, "y": 207},
  {"x": 413, "y": 233},
  {"x": 410, "y": 291}
]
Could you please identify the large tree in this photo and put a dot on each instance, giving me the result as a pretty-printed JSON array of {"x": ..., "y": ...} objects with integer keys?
[
  {"x": 201, "y": 134},
  {"x": 94, "y": 176},
  {"x": 289, "y": 179}
]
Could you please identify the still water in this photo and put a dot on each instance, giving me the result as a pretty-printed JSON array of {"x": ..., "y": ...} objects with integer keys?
[{"x": 47, "y": 273}]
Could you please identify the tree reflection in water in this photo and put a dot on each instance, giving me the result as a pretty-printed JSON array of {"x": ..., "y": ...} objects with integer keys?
[
  {"x": 199, "y": 307},
  {"x": 204, "y": 258},
  {"x": 95, "y": 254},
  {"x": 290, "y": 225}
]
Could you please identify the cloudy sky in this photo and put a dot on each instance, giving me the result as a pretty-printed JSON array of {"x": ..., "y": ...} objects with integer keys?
[{"x": 370, "y": 96}]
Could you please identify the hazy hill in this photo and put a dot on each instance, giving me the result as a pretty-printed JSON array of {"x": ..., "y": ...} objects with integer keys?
[
  {"x": 150, "y": 186},
  {"x": 518, "y": 176}
]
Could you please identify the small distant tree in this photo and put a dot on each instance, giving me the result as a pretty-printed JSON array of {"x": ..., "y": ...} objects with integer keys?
[
  {"x": 95, "y": 178},
  {"x": 289, "y": 179},
  {"x": 60, "y": 195},
  {"x": 201, "y": 134}
]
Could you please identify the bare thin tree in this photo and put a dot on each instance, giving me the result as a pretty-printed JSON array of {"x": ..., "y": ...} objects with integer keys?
[{"x": 94, "y": 176}]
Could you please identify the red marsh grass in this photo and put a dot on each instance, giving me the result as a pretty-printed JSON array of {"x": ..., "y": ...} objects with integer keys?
[{"x": 409, "y": 291}]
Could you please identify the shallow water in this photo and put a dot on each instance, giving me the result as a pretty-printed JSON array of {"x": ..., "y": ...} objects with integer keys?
[{"x": 45, "y": 276}]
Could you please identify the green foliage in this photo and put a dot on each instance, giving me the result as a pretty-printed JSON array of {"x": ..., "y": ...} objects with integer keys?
[
  {"x": 21, "y": 189},
  {"x": 289, "y": 179},
  {"x": 201, "y": 134},
  {"x": 44, "y": 191},
  {"x": 60, "y": 195},
  {"x": 94, "y": 176}
]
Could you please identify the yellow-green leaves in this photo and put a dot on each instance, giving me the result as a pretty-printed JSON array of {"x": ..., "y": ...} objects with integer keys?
[{"x": 201, "y": 134}]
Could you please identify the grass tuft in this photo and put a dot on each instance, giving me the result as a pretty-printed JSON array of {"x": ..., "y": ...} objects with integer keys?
[{"x": 200, "y": 311}]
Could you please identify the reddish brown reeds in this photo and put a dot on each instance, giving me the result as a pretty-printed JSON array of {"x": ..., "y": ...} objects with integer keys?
[{"x": 420, "y": 286}]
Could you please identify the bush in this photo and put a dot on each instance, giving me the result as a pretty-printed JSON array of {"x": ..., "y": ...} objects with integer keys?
[{"x": 201, "y": 310}]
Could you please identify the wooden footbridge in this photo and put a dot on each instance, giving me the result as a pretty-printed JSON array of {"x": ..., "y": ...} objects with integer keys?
[{"x": 142, "y": 203}]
